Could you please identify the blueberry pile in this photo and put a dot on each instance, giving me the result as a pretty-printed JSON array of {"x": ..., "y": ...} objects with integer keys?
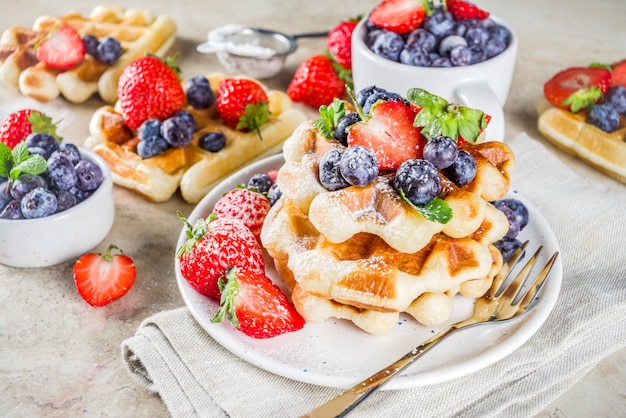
[
  {"x": 606, "y": 114},
  {"x": 67, "y": 180},
  {"x": 156, "y": 136},
  {"x": 108, "y": 50},
  {"x": 517, "y": 215},
  {"x": 440, "y": 41}
]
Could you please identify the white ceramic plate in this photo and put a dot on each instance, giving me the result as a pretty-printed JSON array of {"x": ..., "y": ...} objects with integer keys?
[{"x": 337, "y": 354}]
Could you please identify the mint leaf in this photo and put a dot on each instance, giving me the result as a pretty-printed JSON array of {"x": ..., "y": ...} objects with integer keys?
[
  {"x": 35, "y": 164},
  {"x": 437, "y": 210},
  {"x": 330, "y": 117},
  {"x": 20, "y": 153},
  {"x": 6, "y": 160}
]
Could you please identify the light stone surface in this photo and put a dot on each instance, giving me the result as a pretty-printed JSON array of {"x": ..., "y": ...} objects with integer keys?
[{"x": 60, "y": 357}]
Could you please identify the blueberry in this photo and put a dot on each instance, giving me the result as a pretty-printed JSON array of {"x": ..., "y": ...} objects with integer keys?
[
  {"x": 91, "y": 44},
  {"x": 494, "y": 47},
  {"x": 70, "y": 151},
  {"x": 384, "y": 96},
  {"x": 388, "y": 45},
  {"x": 261, "y": 182},
  {"x": 150, "y": 127},
  {"x": 89, "y": 175},
  {"x": 175, "y": 130},
  {"x": 109, "y": 50},
  {"x": 418, "y": 180},
  {"x": 365, "y": 93},
  {"x": 273, "y": 194},
  {"x": 421, "y": 38},
  {"x": 476, "y": 35},
  {"x": 479, "y": 53},
  {"x": 61, "y": 172},
  {"x": 38, "y": 151},
  {"x": 358, "y": 166},
  {"x": 441, "y": 151},
  {"x": 329, "y": 172},
  {"x": 604, "y": 116},
  {"x": 507, "y": 246},
  {"x": 212, "y": 141},
  {"x": 187, "y": 117},
  {"x": 152, "y": 146},
  {"x": 12, "y": 210},
  {"x": 460, "y": 55},
  {"x": 460, "y": 27},
  {"x": 5, "y": 194},
  {"x": 500, "y": 33},
  {"x": 199, "y": 93},
  {"x": 65, "y": 200},
  {"x": 463, "y": 170},
  {"x": 517, "y": 208},
  {"x": 38, "y": 203},
  {"x": 415, "y": 55},
  {"x": 441, "y": 62},
  {"x": 80, "y": 194},
  {"x": 25, "y": 183},
  {"x": 514, "y": 226},
  {"x": 341, "y": 131},
  {"x": 440, "y": 23},
  {"x": 617, "y": 97},
  {"x": 44, "y": 141},
  {"x": 450, "y": 42}
]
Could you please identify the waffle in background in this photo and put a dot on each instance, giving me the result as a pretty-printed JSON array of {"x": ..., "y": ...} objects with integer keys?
[
  {"x": 364, "y": 255},
  {"x": 137, "y": 30},
  {"x": 192, "y": 169}
]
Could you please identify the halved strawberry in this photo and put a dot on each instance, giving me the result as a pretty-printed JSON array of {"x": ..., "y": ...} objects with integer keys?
[
  {"x": 389, "y": 133},
  {"x": 245, "y": 205},
  {"x": 618, "y": 76},
  {"x": 255, "y": 305},
  {"x": 464, "y": 10},
  {"x": 214, "y": 245},
  {"x": 62, "y": 49},
  {"x": 577, "y": 88},
  {"x": 101, "y": 279},
  {"x": 400, "y": 16}
]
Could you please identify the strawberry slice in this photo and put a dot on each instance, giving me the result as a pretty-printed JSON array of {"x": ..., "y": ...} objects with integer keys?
[
  {"x": 389, "y": 133},
  {"x": 62, "y": 49},
  {"x": 246, "y": 206},
  {"x": 619, "y": 74},
  {"x": 400, "y": 16},
  {"x": 101, "y": 279},
  {"x": 464, "y": 10},
  {"x": 577, "y": 88},
  {"x": 255, "y": 305}
]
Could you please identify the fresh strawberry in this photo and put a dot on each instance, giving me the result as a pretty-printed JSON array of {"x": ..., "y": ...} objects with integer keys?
[
  {"x": 389, "y": 133},
  {"x": 101, "y": 279},
  {"x": 618, "y": 76},
  {"x": 577, "y": 88},
  {"x": 245, "y": 205},
  {"x": 316, "y": 82},
  {"x": 214, "y": 245},
  {"x": 464, "y": 10},
  {"x": 242, "y": 104},
  {"x": 255, "y": 305},
  {"x": 400, "y": 16},
  {"x": 149, "y": 88},
  {"x": 62, "y": 49},
  {"x": 339, "y": 43},
  {"x": 18, "y": 125}
]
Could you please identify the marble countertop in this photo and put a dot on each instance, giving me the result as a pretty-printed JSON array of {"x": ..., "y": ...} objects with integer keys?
[{"x": 61, "y": 357}]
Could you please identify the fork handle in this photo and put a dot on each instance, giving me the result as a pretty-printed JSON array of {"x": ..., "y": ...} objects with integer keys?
[{"x": 350, "y": 398}]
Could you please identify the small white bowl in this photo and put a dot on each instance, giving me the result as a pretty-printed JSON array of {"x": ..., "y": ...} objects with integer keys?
[
  {"x": 483, "y": 86},
  {"x": 63, "y": 236}
]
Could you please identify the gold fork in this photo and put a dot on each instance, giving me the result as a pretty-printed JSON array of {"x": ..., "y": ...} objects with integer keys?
[{"x": 495, "y": 305}]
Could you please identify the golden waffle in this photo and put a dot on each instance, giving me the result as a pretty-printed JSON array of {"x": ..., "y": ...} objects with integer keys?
[
  {"x": 363, "y": 254},
  {"x": 137, "y": 30},
  {"x": 569, "y": 132},
  {"x": 191, "y": 168}
]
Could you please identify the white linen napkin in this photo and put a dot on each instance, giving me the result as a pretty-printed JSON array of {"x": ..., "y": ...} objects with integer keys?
[{"x": 172, "y": 356}]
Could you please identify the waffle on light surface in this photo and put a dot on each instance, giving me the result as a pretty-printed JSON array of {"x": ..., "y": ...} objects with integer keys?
[
  {"x": 191, "y": 168},
  {"x": 363, "y": 254},
  {"x": 570, "y": 132},
  {"x": 138, "y": 31}
]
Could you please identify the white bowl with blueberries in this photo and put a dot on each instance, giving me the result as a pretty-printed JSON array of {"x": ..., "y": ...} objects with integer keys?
[
  {"x": 470, "y": 62},
  {"x": 55, "y": 212}
]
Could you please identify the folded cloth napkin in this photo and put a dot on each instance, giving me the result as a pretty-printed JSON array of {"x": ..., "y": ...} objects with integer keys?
[{"x": 172, "y": 356}]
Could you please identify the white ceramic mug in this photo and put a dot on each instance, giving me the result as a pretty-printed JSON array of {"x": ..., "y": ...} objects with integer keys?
[{"x": 483, "y": 86}]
